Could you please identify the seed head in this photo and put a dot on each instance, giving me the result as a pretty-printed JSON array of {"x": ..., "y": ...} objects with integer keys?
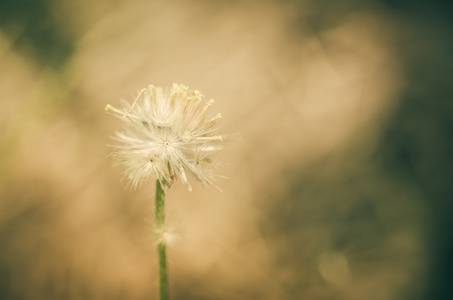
[
  {"x": 166, "y": 235},
  {"x": 169, "y": 134}
]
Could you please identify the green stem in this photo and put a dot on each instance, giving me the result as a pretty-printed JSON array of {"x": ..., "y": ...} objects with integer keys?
[{"x": 160, "y": 223}]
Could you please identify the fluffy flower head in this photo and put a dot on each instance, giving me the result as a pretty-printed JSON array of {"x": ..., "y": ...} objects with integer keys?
[{"x": 169, "y": 134}]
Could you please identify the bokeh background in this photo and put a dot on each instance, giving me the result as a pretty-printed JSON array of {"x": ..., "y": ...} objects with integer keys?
[{"x": 338, "y": 173}]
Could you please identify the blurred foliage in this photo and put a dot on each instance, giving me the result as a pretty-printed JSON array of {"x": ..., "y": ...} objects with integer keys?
[
  {"x": 417, "y": 144},
  {"x": 357, "y": 213},
  {"x": 416, "y": 148},
  {"x": 37, "y": 31}
]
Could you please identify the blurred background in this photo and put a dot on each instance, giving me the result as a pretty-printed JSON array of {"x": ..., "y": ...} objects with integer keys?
[{"x": 339, "y": 187}]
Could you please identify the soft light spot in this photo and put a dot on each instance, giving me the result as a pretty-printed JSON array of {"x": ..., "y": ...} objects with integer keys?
[{"x": 334, "y": 268}]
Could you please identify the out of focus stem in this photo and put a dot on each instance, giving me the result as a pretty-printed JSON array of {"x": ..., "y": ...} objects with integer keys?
[{"x": 160, "y": 223}]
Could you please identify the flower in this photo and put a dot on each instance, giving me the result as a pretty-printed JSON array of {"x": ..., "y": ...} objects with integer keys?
[{"x": 169, "y": 134}]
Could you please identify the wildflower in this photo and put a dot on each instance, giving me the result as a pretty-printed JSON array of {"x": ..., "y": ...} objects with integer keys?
[{"x": 170, "y": 134}]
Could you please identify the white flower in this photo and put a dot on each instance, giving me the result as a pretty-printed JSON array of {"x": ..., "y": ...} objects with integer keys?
[{"x": 170, "y": 134}]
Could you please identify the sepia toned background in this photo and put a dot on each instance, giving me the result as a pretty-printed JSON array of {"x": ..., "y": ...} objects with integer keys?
[{"x": 335, "y": 181}]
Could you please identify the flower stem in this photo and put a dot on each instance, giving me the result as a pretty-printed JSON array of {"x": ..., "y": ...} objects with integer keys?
[{"x": 160, "y": 223}]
